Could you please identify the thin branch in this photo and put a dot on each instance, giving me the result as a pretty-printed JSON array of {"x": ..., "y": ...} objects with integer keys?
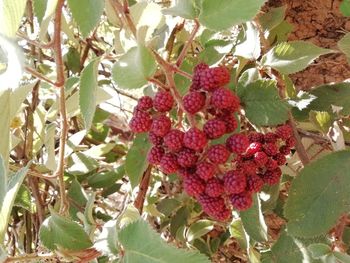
[
  {"x": 158, "y": 83},
  {"x": 38, "y": 75},
  {"x": 35, "y": 43},
  {"x": 124, "y": 14},
  {"x": 31, "y": 257},
  {"x": 141, "y": 196}
]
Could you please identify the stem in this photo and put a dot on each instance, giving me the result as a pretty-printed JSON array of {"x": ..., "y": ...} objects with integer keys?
[
  {"x": 30, "y": 257},
  {"x": 124, "y": 14},
  {"x": 62, "y": 102},
  {"x": 38, "y": 75},
  {"x": 141, "y": 196},
  {"x": 183, "y": 53}
]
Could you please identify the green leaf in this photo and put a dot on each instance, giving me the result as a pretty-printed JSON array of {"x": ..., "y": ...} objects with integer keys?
[
  {"x": 262, "y": 104},
  {"x": 291, "y": 57},
  {"x": 39, "y": 7},
  {"x": 182, "y": 8},
  {"x": 8, "y": 194},
  {"x": 82, "y": 164},
  {"x": 198, "y": 229},
  {"x": 105, "y": 179},
  {"x": 86, "y": 14},
  {"x": 88, "y": 91},
  {"x": 249, "y": 48},
  {"x": 10, "y": 16},
  {"x": 223, "y": 14},
  {"x": 319, "y": 250},
  {"x": 321, "y": 119},
  {"x": 272, "y": 18},
  {"x": 136, "y": 250},
  {"x": 136, "y": 159},
  {"x": 132, "y": 69},
  {"x": 237, "y": 231},
  {"x": 341, "y": 257},
  {"x": 23, "y": 198},
  {"x": 168, "y": 206},
  {"x": 344, "y": 44},
  {"x": 60, "y": 232},
  {"x": 254, "y": 222},
  {"x": 179, "y": 220},
  {"x": 310, "y": 208},
  {"x": 345, "y": 7}
]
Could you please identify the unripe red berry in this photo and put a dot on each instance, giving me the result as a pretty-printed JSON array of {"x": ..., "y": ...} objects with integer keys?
[
  {"x": 211, "y": 205},
  {"x": 290, "y": 142},
  {"x": 218, "y": 154},
  {"x": 256, "y": 137},
  {"x": 214, "y": 128},
  {"x": 230, "y": 122},
  {"x": 254, "y": 183},
  {"x": 285, "y": 150},
  {"x": 271, "y": 164},
  {"x": 168, "y": 163},
  {"x": 223, "y": 215},
  {"x": 234, "y": 182},
  {"x": 185, "y": 172},
  {"x": 272, "y": 177},
  {"x": 155, "y": 155},
  {"x": 140, "y": 122},
  {"x": 163, "y": 101},
  {"x": 237, "y": 143},
  {"x": 253, "y": 148},
  {"x": 213, "y": 78},
  {"x": 161, "y": 125},
  {"x": 194, "y": 101},
  {"x": 223, "y": 98},
  {"x": 270, "y": 137},
  {"x": 145, "y": 103},
  {"x": 155, "y": 139},
  {"x": 195, "y": 139},
  {"x": 270, "y": 149},
  {"x": 214, "y": 188},
  {"x": 260, "y": 158},
  {"x": 249, "y": 167},
  {"x": 187, "y": 158},
  {"x": 205, "y": 170},
  {"x": 193, "y": 185},
  {"x": 284, "y": 132},
  {"x": 174, "y": 140},
  {"x": 241, "y": 201},
  {"x": 280, "y": 159},
  {"x": 196, "y": 77}
]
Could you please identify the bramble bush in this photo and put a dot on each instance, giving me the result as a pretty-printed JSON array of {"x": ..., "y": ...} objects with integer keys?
[{"x": 168, "y": 131}]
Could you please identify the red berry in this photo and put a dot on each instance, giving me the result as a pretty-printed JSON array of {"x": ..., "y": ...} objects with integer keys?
[
  {"x": 284, "y": 132},
  {"x": 254, "y": 183},
  {"x": 234, "y": 182},
  {"x": 230, "y": 122},
  {"x": 253, "y": 148},
  {"x": 218, "y": 154},
  {"x": 163, "y": 101},
  {"x": 270, "y": 149},
  {"x": 271, "y": 177},
  {"x": 145, "y": 103},
  {"x": 223, "y": 215},
  {"x": 195, "y": 139},
  {"x": 223, "y": 98},
  {"x": 214, "y": 128},
  {"x": 168, "y": 163},
  {"x": 155, "y": 155},
  {"x": 174, "y": 140},
  {"x": 291, "y": 142},
  {"x": 256, "y": 137},
  {"x": 193, "y": 185},
  {"x": 185, "y": 172},
  {"x": 197, "y": 72},
  {"x": 237, "y": 143},
  {"x": 211, "y": 205},
  {"x": 249, "y": 167},
  {"x": 270, "y": 137},
  {"x": 194, "y": 101},
  {"x": 155, "y": 139},
  {"x": 285, "y": 150},
  {"x": 280, "y": 159},
  {"x": 205, "y": 170},
  {"x": 187, "y": 158},
  {"x": 260, "y": 158},
  {"x": 241, "y": 201},
  {"x": 161, "y": 125},
  {"x": 271, "y": 164},
  {"x": 214, "y": 188},
  {"x": 140, "y": 122},
  {"x": 213, "y": 78}
]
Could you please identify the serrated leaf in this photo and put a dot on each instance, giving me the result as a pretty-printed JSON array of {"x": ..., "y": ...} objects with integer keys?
[
  {"x": 136, "y": 250},
  {"x": 82, "y": 164},
  {"x": 168, "y": 206},
  {"x": 272, "y": 18},
  {"x": 133, "y": 69},
  {"x": 321, "y": 119},
  {"x": 341, "y": 257},
  {"x": 291, "y": 57},
  {"x": 254, "y": 222},
  {"x": 237, "y": 231},
  {"x": 223, "y": 14},
  {"x": 88, "y": 91},
  {"x": 310, "y": 208},
  {"x": 182, "y": 8},
  {"x": 87, "y": 14},
  {"x": 302, "y": 100},
  {"x": 250, "y": 47},
  {"x": 179, "y": 220},
  {"x": 262, "y": 104},
  {"x": 23, "y": 198},
  {"x": 10, "y": 16},
  {"x": 136, "y": 159},
  {"x": 105, "y": 179},
  {"x": 319, "y": 250},
  {"x": 60, "y": 232},
  {"x": 344, "y": 44},
  {"x": 198, "y": 229},
  {"x": 345, "y": 7}
]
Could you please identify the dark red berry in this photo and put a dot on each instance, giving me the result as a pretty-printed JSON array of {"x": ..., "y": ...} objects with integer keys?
[
  {"x": 237, "y": 143},
  {"x": 211, "y": 205},
  {"x": 155, "y": 139},
  {"x": 187, "y": 158},
  {"x": 184, "y": 172},
  {"x": 285, "y": 150},
  {"x": 195, "y": 139},
  {"x": 161, "y": 125},
  {"x": 260, "y": 158},
  {"x": 291, "y": 142},
  {"x": 280, "y": 159},
  {"x": 174, "y": 140},
  {"x": 230, "y": 122},
  {"x": 214, "y": 188},
  {"x": 194, "y": 101},
  {"x": 214, "y": 128},
  {"x": 256, "y": 137},
  {"x": 193, "y": 185},
  {"x": 218, "y": 154},
  {"x": 205, "y": 170},
  {"x": 271, "y": 164},
  {"x": 254, "y": 183},
  {"x": 271, "y": 177},
  {"x": 140, "y": 122},
  {"x": 253, "y": 148},
  {"x": 163, "y": 101},
  {"x": 197, "y": 72},
  {"x": 145, "y": 103},
  {"x": 249, "y": 167},
  {"x": 223, "y": 98},
  {"x": 241, "y": 201},
  {"x": 155, "y": 155},
  {"x": 168, "y": 163},
  {"x": 270, "y": 137},
  {"x": 234, "y": 182},
  {"x": 213, "y": 78},
  {"x": 270, "y": 149},
  {"x": 284, "y": 132},
  {"x": 223, "y": 215}
]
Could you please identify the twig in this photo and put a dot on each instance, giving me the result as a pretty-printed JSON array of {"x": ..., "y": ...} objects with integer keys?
[
  {"x": 124, "y": 14},
  {"x": 35, "y": 43},
  {"x": 158, "y": 83},
  {"x": 183, "y": 53},
  {"x": 141, "y": 196},
  {"x": 39, "y": 76},
  {"x": 30, "y": 257}
]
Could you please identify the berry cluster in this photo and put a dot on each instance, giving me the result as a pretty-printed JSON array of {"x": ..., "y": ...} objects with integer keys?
[{"x": 205, "y": 169}]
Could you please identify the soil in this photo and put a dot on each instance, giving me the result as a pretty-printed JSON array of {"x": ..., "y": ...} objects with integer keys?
[{"x": 320, "y": 22}]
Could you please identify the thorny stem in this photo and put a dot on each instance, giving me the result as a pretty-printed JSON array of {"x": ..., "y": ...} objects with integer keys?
[{"x": 31, "y": 257}]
